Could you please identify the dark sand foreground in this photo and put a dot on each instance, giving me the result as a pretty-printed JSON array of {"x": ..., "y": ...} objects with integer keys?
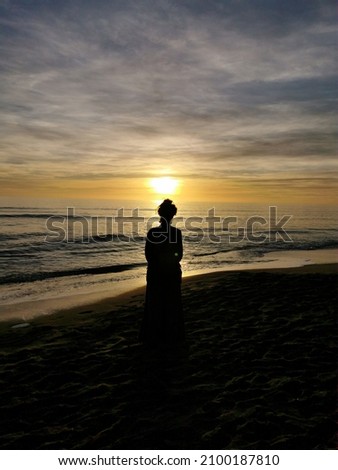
[{"x": 258, "y": 370}]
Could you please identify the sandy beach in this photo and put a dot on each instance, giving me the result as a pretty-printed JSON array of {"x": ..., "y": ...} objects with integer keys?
[{"x": 258, "y": 370}]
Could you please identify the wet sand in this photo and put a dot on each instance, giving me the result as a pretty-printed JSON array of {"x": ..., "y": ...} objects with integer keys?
[{"x": 258, "y": 370}]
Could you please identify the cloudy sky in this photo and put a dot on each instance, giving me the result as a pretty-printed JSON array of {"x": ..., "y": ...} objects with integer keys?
[{"x": 235, "y": 98}]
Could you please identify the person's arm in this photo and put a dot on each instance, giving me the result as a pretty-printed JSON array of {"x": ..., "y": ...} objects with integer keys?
[
  {"x": 148, "y": 248},
  {"x": 154, "y": 239},
  {"x": 179, "y": 246}
]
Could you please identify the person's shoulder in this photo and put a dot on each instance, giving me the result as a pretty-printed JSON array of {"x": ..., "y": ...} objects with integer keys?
[
  {"x": 175, "y": 230},
  {"x": 154, "y": 232}
]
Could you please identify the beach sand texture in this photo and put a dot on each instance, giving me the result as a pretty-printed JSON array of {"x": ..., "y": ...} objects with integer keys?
[{"x": 258, "y": 370}]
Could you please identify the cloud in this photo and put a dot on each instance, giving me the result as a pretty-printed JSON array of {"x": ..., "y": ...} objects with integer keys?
[{"x": 125, "y": 88}]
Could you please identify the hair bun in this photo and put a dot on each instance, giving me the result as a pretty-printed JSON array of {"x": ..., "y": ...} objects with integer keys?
[{"x": 167, "y": 209}]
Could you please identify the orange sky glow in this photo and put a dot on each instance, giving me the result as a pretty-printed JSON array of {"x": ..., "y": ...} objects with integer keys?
[{"x": 236, "y": 104}]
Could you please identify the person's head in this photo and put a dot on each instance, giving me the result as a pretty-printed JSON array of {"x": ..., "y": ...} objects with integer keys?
[{"x": 167, "y": 210}]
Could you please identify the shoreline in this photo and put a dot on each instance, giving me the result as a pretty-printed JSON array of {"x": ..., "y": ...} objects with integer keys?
[
  {"x": 30, "y": 310},
  {"x": 104, "y": 304}
]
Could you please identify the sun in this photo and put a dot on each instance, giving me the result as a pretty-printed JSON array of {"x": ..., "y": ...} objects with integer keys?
[{"x": 165, "y": 185}]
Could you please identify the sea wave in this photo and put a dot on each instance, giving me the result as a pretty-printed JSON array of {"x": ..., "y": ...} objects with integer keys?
[
  {"x": 266, "y": 247},
  {"x": 41, "y": 275},
  {"x": 35, "y": 216}
]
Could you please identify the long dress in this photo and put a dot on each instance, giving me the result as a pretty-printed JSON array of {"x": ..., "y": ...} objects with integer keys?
[{"x": 163, "y": 317}]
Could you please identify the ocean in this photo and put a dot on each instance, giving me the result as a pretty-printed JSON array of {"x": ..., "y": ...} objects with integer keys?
[{"x": 59, "y": 251}]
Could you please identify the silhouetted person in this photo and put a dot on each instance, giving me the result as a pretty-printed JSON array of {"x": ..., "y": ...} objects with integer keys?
[{"x": 163, "y": 317}]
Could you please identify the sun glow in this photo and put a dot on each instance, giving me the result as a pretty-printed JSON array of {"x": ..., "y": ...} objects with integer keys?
[{"x": 165, "y": 185}]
